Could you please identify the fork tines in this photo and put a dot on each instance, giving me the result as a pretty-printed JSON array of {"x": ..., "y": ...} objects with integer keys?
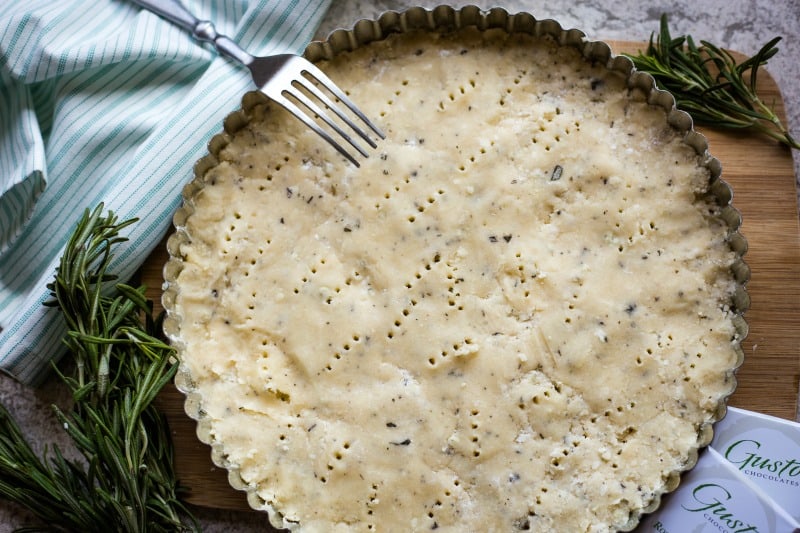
[{"x": 308, "y": 85}]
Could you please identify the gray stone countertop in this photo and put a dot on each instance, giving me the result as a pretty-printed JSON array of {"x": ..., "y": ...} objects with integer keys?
[{"x": 741, "y": 25}]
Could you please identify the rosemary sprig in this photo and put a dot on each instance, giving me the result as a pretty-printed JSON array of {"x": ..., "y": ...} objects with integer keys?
[
  {"x": 126, "y": 481},
  {"x": 710, "y": 85}
]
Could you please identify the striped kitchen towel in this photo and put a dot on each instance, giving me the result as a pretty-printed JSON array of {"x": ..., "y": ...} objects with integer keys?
[{"x": 101, "y": 101}]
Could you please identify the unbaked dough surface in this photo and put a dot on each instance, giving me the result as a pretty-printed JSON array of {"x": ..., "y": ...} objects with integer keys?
[{"x": 513, "y": 316}]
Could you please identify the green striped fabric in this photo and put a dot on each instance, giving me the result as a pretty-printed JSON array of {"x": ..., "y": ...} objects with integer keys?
[{"x": 103, "y": 102}]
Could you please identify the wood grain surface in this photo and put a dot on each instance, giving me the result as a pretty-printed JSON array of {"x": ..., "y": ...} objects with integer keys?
[{"x": 762, "y": 176}]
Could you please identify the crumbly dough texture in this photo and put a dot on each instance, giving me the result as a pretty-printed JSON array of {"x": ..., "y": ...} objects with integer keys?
[{"x": 513, "y": 316}]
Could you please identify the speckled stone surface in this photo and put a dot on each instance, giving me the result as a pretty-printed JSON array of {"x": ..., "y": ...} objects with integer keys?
[{"x": 741, "y": 25}]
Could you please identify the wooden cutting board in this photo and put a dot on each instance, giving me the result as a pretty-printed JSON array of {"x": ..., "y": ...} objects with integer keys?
[{"x": 762, "y": 176}]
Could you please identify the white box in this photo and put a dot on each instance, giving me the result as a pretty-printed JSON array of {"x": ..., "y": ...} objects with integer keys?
[
  {"x": 715, "y": 497},
  {"x": 767, "y": 450}
]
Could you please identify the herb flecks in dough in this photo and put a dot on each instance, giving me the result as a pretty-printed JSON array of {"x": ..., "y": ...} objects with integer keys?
[{"x": 483, "y": 331}]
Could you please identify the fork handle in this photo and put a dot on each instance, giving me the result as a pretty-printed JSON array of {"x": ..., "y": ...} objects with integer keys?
[{"x": 202, "y": 30}]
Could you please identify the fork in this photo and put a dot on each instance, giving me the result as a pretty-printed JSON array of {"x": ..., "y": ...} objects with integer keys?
[{"x": 284, "y": 78}]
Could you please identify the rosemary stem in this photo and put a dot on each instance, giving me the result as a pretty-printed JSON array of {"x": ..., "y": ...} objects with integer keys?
[
  {"x": 710, "y": 85},
  {"x": 127, "y": 480}
]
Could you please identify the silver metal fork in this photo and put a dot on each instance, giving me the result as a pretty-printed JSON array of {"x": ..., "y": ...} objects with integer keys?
[{"x": 287, "y": 79}]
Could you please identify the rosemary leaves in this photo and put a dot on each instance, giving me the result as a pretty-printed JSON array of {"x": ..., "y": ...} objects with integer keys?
[
  {"x": 126, "y": 481},
  {"x": 709, "y": 84}
]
